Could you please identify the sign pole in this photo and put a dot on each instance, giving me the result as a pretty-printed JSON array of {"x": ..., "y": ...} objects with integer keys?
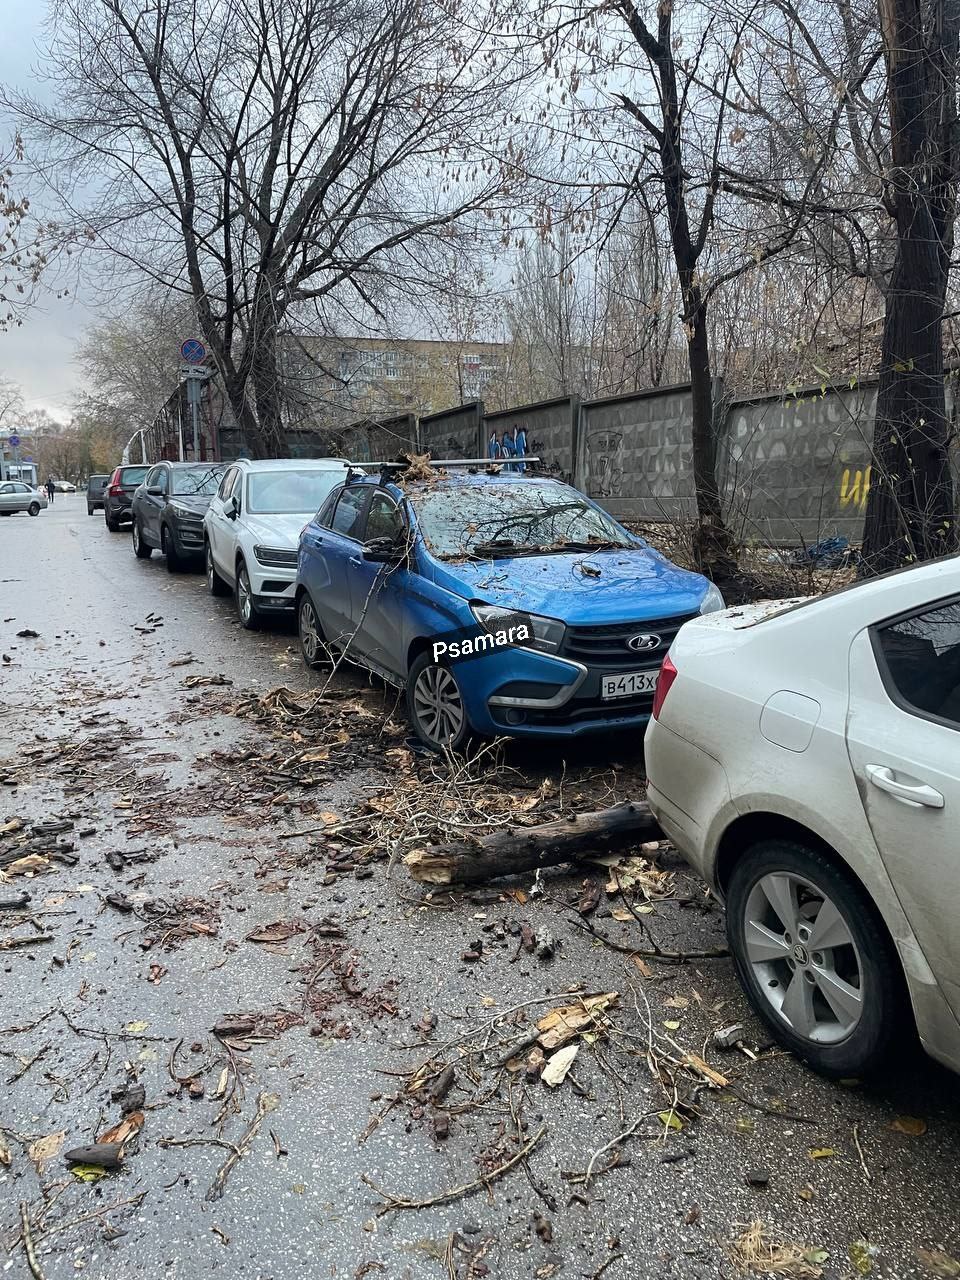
[{"x": 194, "y": 353}]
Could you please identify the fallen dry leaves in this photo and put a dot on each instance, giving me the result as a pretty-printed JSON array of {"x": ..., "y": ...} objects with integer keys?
[{"x": 759, "y": 1251}]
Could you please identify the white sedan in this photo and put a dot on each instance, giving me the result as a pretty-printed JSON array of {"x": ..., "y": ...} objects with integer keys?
[{"x": 806, "y": 761}]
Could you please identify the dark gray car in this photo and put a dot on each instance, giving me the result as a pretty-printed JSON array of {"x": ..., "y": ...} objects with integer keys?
[
  {"x": 118, "y": 494},
  {"x": 96, "y": 487},
  {"x": 168, "y": 511}
]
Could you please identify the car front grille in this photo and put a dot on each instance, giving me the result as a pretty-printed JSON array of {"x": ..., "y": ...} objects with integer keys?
[
  {"x": 579, "y": 711},
  {"x": 605, "y": 647}
]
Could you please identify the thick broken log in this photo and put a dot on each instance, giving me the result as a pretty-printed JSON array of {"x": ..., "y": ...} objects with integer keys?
[{"x": 520, "y": 849}]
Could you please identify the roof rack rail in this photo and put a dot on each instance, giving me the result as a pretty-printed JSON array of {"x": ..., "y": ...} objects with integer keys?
[{"x": 446, "y": 462}]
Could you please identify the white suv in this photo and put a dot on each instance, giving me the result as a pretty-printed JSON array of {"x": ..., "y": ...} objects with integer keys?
[
  {"x": 807, "y": 762},
  {"x": 251, "y": 530}
]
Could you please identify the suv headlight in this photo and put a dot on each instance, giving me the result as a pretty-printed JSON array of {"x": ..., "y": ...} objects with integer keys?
[
  {"x": 712, "y": 601},
  {"x": 185, "y": 513},
  {"x": 548, "y": 633}
]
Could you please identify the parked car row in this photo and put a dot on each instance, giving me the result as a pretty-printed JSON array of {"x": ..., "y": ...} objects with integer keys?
[{"x": 805, "y": 757}]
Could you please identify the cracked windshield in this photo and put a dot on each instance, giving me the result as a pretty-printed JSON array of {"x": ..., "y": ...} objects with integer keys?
[{"x": 512, "y": 519}]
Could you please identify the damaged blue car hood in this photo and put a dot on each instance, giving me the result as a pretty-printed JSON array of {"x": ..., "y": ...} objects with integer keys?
[{"x": 579, "y": 587}]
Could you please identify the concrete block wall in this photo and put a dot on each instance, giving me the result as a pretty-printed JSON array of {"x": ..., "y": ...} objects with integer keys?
[
  {"x": 454, "y": 433},
  {"x": 367, "y": 441},
  {"x": 794, "y": 467},
  {"x": 634, "y": 454}
]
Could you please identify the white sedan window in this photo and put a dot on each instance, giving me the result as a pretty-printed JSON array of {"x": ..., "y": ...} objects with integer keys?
[{"x": 922, "y": 657}]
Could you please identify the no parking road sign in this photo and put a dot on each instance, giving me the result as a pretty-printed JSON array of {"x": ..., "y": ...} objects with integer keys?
[
  {"x": 192, "y": 351},
  {"x": 13, "y": 441}
]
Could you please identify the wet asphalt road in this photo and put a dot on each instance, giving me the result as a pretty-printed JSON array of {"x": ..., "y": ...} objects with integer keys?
[{"x": 307, "y": 1210}]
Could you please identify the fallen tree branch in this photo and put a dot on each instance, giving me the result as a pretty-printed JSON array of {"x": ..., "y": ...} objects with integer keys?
[
  {"x": 519, "y": 849},
  {"x": 266, "y": 1102},
  {"x": 7, "y": 944},
  {"x": 667, "y": 957},
  {"x": 444, "y": 1197}
]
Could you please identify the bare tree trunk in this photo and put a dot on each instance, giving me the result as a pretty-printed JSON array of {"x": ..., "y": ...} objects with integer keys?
[
  {"x": 713, "y": 544},
  {"x": 265, "y": 374},
  {"x": 910, "y": 508}
]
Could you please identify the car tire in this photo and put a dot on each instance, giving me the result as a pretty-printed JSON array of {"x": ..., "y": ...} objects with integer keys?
[
  {"x": 313, "y": 647},
  {"x": 34, "y": 508},
  {"x": 247, "y": 611},
  {"x": 856, "y": 964},
  {"x": 112, "y": 525},
  {"x": 140, "y": 548},
  {"x": 89, "y": 511},
  {"x": 435, "y": 705},
  {"x": 215, "y": 584},
  {"x": 168, "y": 548}
]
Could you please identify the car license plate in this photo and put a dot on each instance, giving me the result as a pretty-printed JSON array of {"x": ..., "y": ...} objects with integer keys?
[{"x": 628, "y": 685}]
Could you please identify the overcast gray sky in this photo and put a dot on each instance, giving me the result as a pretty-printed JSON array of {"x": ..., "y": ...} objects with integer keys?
[{"x": 40, "y": 354}]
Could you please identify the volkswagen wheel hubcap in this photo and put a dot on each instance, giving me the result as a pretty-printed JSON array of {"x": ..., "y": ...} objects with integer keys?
[
  {"x": 309, "y": 637},
  {"x": 243, "y": 591}
]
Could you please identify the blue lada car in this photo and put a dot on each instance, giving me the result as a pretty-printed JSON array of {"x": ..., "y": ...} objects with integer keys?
[{"x": 503, "y": 603}]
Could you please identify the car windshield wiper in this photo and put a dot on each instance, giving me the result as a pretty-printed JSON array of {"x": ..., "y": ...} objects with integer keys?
[
  {"x": 592, "y": 544},
  {"x": 503, "y": 547}
]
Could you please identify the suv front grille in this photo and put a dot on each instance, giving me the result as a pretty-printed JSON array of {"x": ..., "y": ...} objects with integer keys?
[{"x": 606, "y": 647}]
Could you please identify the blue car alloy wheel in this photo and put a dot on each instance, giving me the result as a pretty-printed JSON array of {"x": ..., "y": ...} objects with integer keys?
[{"x": 504, "y": 603}]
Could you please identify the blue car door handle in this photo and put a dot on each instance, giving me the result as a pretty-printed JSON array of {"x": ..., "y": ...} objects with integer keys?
[{"x": 356, "y": 560}]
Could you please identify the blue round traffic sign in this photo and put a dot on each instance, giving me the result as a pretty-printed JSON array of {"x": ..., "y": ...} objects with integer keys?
[
  {"x": 193, "y": 351},
  {"x": 13, "y": 441}
]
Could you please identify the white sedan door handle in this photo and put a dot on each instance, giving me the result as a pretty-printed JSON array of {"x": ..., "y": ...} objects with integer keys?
[{"x": 917, "y": 795}]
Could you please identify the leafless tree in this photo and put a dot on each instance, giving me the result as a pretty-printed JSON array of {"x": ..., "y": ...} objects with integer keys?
[
  {"x": 22, "y": 259},
  {"x": 265, "y": 156},
  {"x": 911, "y": 512}
]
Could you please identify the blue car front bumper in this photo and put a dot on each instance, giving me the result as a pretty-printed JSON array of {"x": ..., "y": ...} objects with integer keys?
[{"x": 524, "y": 693}]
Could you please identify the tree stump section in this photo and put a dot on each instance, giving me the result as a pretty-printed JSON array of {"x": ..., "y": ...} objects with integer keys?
[{"x": 519, "y": 849}]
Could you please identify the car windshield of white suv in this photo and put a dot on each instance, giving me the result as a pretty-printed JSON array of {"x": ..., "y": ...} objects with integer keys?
[
  {"x": 276, "y": 493},
  {"x": 513, "y": 520},
  {"x": 197, "y": 480}
]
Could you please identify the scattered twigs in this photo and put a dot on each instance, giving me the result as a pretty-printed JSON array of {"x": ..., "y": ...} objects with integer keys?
[
  {"x": 666, "y": 957},
  {"x": 393, "y": 1202},
  {"x": 136, "y": 1200},
  {"x": 32, "y": 1261},
  {"x": 200, "y": 1142},
  {"x": 9, "y": 944},
  {"x": 27, "y": 1063},
  {"x": 863, "y": 1162},
  {"x": 266, "y": 1102},
  {"x": 614, "y": 1257},
  {"x": 615, "y": 1142},
  {"x": 780, "y": 1114}
]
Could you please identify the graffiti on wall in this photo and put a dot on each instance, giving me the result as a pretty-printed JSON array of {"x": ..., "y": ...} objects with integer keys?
[
  {"x": 551, "y": 465},
  {"x": 854, "y": 487},
  {"x": 605, "y": 463}
]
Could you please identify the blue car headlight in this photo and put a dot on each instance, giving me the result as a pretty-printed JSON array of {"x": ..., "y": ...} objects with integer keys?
[
  {"x": 712, "y": 601},
  {"x": 548, "y": 633}
]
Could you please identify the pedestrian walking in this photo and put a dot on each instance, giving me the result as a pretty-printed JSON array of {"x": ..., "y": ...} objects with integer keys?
[{"x": 51, "y": 489}]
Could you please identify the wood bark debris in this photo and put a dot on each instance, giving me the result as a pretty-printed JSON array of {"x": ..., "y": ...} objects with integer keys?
[{"x": 520, "y": 849}]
